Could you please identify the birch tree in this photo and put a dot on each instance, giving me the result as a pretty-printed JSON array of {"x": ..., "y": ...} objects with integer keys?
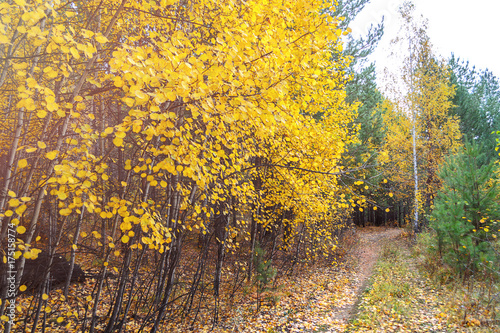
[
  {"x": 423, "y": 131},
  {"x": 131, "y": 128}
]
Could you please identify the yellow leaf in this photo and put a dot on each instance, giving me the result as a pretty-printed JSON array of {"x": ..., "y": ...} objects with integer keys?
[
  {"x": 65, "y": 212},
  {"x": 41, "y": 145},
  {"x": 23, "y": 288},
  {"x": 41, "y": 114},
  {"x": 87, "y": 33},
  {"x": 125, "y": 239},
  {"x": 75, "y": 53},
  {"x": 20, "y": 210},
  {"x": 14, "y": 202},
  {"x": 171, "y": 96},
  {"x": 22, "y": 164},
  {"x": 45, "y": 297},
  {"x": 11, "y": 194},
  {"x": 118, "y": 82},
  {"x": 21, "y": 230},
  {"x": 118, "y": 142},
  {"x": 20, "y": 3},
  {"x": 31, "y": 82},
  {"x": 60, "y": 319},
  {"x": 101, "y": 39},
  {"x": 51, "y": 155},
  {"x": 129, "y": 101},
  {"x": 120, "y": 134}
]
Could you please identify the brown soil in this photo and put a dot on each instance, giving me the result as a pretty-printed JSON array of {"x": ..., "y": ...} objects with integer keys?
[{"x": 363, "y": 256}]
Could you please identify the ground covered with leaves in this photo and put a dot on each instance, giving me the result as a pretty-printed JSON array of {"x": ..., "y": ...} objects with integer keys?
[
  {"x": 410, "y": 292},
  {"x": 317, "y": 298},
  {"x": 380, "y": 281}
]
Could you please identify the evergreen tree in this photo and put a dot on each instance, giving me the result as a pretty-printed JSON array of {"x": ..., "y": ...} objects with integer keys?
[
  {"x": 362, "y": 89},
  {"x": 265, "y": 272},
  {"x": 467, "y": 211},
  {"x": 477, "y": 104}
]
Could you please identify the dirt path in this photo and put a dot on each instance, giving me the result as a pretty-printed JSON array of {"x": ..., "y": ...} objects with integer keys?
[
  {"x": 324, "y": 299},
  {"x": 363, "y": 257}
]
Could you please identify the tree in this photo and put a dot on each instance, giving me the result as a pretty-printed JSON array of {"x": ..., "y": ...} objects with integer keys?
[
  {"x": 467, "y": 212},
  {"x": 476, "y": 103},
  {"x": 358, "y": 49},
  {"x": 132, "y": 127},
  {"x": 421, "y": 98},
  {"x": 366, "y": 129}
]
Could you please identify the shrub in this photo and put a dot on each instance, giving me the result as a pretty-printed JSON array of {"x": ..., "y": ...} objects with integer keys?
[{"x": 265, "y": 272}]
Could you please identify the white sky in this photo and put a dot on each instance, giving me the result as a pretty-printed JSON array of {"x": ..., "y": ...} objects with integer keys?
[{"x": 469, "y": 29}]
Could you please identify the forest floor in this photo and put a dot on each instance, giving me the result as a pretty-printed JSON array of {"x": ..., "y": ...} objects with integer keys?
[
  {"x": 370, "y": 241},
  {"x": 323, "y": 299},
  {"x": 377, "y": 281},
  {"x": 408, "y": 289},
  {"x": 379, "y": 286}
]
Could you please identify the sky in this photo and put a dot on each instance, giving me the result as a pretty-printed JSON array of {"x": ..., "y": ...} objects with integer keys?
[{"x": 469, "y": 29}]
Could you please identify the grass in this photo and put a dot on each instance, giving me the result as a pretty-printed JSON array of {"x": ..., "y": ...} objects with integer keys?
[{"x": 411, "y": 291}]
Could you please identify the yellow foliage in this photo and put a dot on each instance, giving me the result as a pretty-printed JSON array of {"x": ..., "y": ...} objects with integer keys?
[
  {"x": 438, "y": 134},
  {"x": 238, "y": 105}
]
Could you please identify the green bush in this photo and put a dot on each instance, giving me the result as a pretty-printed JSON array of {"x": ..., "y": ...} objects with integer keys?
[
  {"x": 467, "y": 211},
  {"x": 265, "y": 272}
]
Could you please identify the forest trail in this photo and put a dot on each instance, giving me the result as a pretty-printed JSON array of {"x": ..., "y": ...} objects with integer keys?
[
  {"x": 324, "y": 300},
  {"x": 363, "y": 257}
]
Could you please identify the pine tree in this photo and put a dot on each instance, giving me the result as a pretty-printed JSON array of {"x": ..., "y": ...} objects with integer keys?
[
  {"x": 467, "y": 211},
  {"x": 476, "y": 103},
  {"x": 265, "y": 272}
]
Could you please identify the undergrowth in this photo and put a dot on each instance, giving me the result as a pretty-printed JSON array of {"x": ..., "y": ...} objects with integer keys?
[{"x": 412, "y": 291}]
